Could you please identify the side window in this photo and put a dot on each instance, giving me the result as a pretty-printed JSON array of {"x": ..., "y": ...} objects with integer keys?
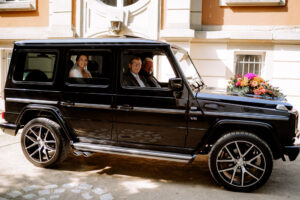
[
  {"x": 147, "y": 69},
  {"x": 35, "y": 66},
  {"x": 93, "y": 68},
  {"x": 164, "y": 68}
]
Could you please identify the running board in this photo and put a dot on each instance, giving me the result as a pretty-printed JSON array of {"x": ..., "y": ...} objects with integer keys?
[{"x": 88, "y": 147}]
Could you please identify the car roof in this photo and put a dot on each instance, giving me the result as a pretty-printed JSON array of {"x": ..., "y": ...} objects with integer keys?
[{"x": 90, "y": 41}]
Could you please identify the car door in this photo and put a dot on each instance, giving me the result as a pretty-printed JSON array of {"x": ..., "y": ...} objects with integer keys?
[
  {"x": 87, "y": 101},
  {"x": 149, "y": 116}
]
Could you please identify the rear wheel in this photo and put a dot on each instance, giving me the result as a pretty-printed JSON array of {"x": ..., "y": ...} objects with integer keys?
[
  {"x": 240, "y": 161},
  {"x": 43, "y": 144}
]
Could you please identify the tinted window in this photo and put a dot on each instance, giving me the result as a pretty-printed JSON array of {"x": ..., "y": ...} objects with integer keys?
[
  {"x": 90, "y": 68},
  {"x": 149, "y": 69},
  {"x": 38, "y": 67}
]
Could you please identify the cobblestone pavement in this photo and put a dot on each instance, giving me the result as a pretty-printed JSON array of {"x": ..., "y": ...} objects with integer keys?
[{"x": 108, "y": 177}]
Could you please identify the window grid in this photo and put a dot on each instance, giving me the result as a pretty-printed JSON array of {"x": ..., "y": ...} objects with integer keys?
[
  {"x": 249, "y": 64},
  {"x": 119, "y": 3}
]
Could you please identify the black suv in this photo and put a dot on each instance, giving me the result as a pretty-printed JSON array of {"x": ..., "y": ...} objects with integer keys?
[{"x": 176, "y": 119}]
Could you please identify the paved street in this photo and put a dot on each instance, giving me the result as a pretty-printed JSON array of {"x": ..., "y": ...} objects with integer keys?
[{"x": 109, "y": 177}]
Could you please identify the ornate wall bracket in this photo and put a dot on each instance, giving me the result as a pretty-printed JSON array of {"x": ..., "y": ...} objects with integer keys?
[{"x": 100, "y": 20}]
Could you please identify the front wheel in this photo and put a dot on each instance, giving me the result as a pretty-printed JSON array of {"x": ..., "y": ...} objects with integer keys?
[
  {"x": 240, "y": 161},
  {"x": 43, "y": 144}
]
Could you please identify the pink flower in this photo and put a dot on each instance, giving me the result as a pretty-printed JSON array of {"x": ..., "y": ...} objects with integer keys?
[
  {"x": 250, "y": 76},
  {"x": 238, "y": 83}
]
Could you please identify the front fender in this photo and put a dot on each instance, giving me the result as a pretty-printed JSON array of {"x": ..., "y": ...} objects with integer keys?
[{"x": 221, "y": 126}]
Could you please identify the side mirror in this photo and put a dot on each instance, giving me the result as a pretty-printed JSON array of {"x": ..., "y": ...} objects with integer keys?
[{"x": 175, "y": 84}]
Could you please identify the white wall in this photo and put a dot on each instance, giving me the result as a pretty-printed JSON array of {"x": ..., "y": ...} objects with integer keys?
[
  {"x": 60, "y": 19},
  {"x": 215, "y": 62},
  {"x": 286, "y": 71},
  {"x": 211, "y": 60}
]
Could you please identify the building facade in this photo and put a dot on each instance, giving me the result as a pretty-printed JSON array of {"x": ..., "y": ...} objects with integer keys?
[{"x": 224, "y": 37}]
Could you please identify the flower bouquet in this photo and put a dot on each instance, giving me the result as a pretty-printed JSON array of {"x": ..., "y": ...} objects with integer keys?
[{"x": 253, "y": 85}]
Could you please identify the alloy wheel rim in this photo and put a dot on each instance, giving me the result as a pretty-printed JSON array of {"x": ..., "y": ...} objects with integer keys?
[
  {"x": 40, "y": 143},
  {"x": 241, "y": 163}
]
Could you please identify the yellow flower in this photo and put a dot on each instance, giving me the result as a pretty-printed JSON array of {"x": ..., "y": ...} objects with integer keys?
[
  {"x": 243, "y": 83},
  {"x": 258, "y": 79},
  {"x": 254, "y": 84}
]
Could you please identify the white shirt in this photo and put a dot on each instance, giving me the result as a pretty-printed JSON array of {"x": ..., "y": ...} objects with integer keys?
[
  {"x": 75, "y": 72},
  {"x": 141, "y": 83}
]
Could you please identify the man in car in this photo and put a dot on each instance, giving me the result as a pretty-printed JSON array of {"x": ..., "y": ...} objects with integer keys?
[
  {"x": 147, "y": 73},
  {"x": 132, "y": 77}
]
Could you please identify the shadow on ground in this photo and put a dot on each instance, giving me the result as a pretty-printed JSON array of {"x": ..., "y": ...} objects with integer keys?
[{"x": 196, "y": 172}]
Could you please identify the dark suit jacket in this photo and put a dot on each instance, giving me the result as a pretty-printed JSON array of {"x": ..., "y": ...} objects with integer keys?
[
  {"x": 129, "y": 80},
  {"x": 151, "y": 80}
]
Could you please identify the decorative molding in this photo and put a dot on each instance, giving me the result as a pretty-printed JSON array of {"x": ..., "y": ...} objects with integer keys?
[
  {"x": 252, "y": 2},
  {"x": 100, "y": 20},
  {"x": 295, "y": 28},
  {"x": 26, "y": 5},
  {"x": 60, "y": 19},
  {"x": 271, "y": 33},
  {"x": 22, "y": 33},
  {"x": 177, "y": 33}
]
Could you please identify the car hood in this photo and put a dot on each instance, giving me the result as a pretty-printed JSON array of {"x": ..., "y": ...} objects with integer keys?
[{"x": 222, "y": 96}]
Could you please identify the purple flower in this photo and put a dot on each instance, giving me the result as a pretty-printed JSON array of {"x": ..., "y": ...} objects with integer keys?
[{"x": 250, "y": 76}]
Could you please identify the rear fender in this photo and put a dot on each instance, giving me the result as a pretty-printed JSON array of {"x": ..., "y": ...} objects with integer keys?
[{"x": 49, "y": 110}]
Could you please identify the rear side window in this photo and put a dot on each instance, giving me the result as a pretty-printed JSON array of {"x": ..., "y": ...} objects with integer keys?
[
  {"x": 90, "y": 68},
  {"x": 35, "y": 66}
]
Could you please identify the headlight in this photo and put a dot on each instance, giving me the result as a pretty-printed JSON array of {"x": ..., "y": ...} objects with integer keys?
[
  {"x": 297, "y": 139},
  {"x": 281, "y": 107}
]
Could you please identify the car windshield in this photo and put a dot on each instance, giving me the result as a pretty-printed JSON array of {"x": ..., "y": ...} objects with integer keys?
[{"x": 189, "y": 70}]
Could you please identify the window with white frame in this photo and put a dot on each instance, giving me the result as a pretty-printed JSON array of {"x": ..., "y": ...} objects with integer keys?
[
  {"x": 5, "y": 54},
  {"x": 119, "y": 3},
  {"x": 252, "y": 2},
  {"x": 17, "y": 5},
  {"x": 8, "y": 59},
  {"x": 247, "y": 63}
]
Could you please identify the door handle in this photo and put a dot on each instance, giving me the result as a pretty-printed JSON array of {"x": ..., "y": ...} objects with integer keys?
[
  {"x": 67, "y": 103},
  {"x": 211, "y": 106},
  {"x": 125, "y": 107}
]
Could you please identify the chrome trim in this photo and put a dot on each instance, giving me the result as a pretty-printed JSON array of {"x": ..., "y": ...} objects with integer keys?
[
  {"x": 131, "y": 152},
  {"x": 297, "y": 139},
  {"x": 241, "y": 115},
  {"x": 194, "y": 108},
  {"x": 281, "y": 107},
  {"x": 88, "y": 105},
  {"x": 19, "y": 100},
  {"x": 158, "y": 110}
]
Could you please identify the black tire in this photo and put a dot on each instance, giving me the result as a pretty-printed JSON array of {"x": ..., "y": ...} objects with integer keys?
[
  {"x": 43, "y": 143},
  {"x": 240, "y": 161}
]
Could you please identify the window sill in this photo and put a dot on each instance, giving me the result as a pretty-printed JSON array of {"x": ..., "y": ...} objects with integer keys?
[
  {"x": 18, "y": 6},
  {"x": 252, "y": 2}
]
